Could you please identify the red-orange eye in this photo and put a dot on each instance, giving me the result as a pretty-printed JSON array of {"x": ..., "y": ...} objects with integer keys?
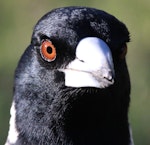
[
  {"x": 123, "y": 51},
  {"x": 48, "y": 51}
]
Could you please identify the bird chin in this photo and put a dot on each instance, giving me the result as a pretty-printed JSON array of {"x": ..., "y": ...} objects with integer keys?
[{"x": 78, "y": 78}]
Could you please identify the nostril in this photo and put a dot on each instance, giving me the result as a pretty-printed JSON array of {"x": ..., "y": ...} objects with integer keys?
[{"x": 81, "y": 60}]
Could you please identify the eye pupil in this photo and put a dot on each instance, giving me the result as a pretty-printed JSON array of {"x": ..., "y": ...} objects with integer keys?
[{"x": 49, "y": 50}]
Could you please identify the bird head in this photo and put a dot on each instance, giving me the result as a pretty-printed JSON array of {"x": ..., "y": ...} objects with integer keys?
[
  {"x": 81, "y": 43},
  {"x": 73, "y": 50}
]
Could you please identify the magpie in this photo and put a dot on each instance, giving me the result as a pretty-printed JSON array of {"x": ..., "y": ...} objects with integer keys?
[{"x": 72, "y": 85}]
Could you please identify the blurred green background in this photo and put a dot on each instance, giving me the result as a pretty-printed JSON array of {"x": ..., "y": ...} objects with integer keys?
[{"x": 17, "y": 19}]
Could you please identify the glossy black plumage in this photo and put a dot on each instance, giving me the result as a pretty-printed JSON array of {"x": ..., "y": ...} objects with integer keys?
[{"x": 50, "y": 113}]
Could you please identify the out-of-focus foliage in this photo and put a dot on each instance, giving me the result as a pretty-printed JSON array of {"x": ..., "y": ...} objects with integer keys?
[{"x": 17, "y": 19}]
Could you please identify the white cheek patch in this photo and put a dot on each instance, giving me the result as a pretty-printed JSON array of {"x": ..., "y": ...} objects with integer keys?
[{"x": 13, "y": 133}]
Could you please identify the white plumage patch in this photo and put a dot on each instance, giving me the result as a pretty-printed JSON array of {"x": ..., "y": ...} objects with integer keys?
[
  {"x": 13, "y": 133},
  {"x": 131, "y": 137}
]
